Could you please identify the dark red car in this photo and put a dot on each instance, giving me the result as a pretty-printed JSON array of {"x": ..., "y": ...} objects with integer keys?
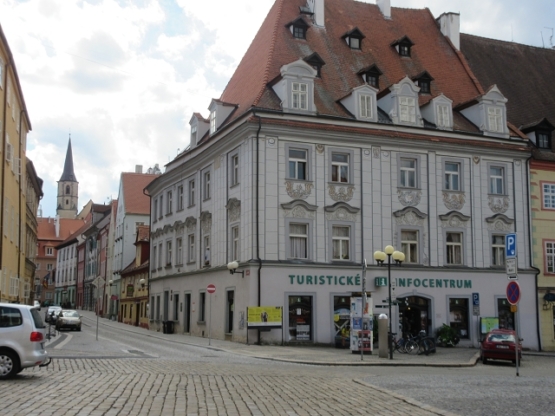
[{"x": 499, "y": 344}]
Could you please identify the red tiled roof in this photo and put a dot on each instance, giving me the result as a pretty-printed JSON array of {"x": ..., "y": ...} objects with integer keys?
[
  {"x": 274, "y": 46},
  {"x": 46, "y": 229},
  {"x": 135, "y": 201},
  {"x": 143, "y": 233}
]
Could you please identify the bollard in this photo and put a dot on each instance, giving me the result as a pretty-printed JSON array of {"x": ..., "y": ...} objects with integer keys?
[{"x": 383, "y": 345}]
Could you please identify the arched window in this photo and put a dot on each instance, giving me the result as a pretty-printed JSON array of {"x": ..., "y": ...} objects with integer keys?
[{"x": 68, "y": 190}]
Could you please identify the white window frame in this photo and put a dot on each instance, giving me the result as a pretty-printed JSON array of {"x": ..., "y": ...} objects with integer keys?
[
  {"x": 337, "y": 166},
  {"x": 206, "y": 184},
  {"x": 299, "y": 95},
  {"x": 451, "y": 248},
  {"x": 49, "y": 251},
  {"x": 161, "y": 207},
  {"x": 407, "y": 246},
  {"x": 235, "y": 235},
  {"x": 443, "y": 119},
  {"x": 296, "y": 162},
  {"x": 498, "y": 250},
  {"x": 212, "y": 121},
  {"x": 548, "y": 195},
  {"x": 193, "y": 135},
  {"x": 452, "y": 178},
  {"x": 154, "y": 256},
  {"x": 338, "y": 242},
  {"x": 550, "y": 257},
  {"x": 169, "y": 202},
  {"x": 407, "y": 109},
  {"x": 191, "y": 248},
  {"x": 495, "y": 119},
  {"x": 406, "y": 172},
  {"x": 496, "y": 181},
  {"x": 179, "y": 251},
  {"x": 168, "y": 253},
  {"x": 191, "y": 190},
  {"x": 160, "y": 250},
  {"x": 180, "y": 197},
  {"x": 293, "y": 249},
  {"x": 234, "y": 169},
  {"x": 366, "y": 106},
  {"x": 206, "y": 251}
]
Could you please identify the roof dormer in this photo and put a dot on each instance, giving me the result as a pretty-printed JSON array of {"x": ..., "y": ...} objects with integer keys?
[
  {"x": 401, "y": 103},
  {"x": 540, "y": 133},
  {"x": 316, "y": 62},
  {"x": 219, "y": 112},
  {"x": 371, "y": 76},
  {"x": 362, "y": 103},
  {"x": 296, "y": 87},
  {"x": 489, "y": 113},
  {"x": 199, "y": 127},
  {"x": 403, "y": 46},
  {"x": 424, "y": 82},
  {"x": 354, "y": 38},
  {"x": 439, "y": 111},
  {"x": 298, "y": 28}
]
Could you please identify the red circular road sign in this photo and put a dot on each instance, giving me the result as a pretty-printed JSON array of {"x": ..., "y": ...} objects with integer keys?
[
  {"x": 211, "y": 288},
  {"x": 513, "y": 292}
]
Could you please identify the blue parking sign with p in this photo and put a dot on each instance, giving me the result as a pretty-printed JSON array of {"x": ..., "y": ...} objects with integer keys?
[{"x": 510, "y": 245}]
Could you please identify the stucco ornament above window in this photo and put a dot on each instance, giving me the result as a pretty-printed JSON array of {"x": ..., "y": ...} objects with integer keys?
[
  {"x": 234, "y": 209},
  {"x": 453, "y": 200},
  {"x": 500, "y": 222},
  {"x": 499, "y": 204},
  {"x": 340, "y": 211},
  {"x": 299, "y": 209},
  {"x": 409, "y": 198},
  {"x": 206, "y": 221},
  {"x": 298, "y": 190},
  {"x": 341, "y": 193},
  {"x": 454, "y": 219},
  {"x": 409, "y": 216},
  {"x": 190, "y": 224}
]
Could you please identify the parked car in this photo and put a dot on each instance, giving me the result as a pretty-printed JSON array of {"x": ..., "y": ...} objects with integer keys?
[
  {"x": 36, "y": 304},
  {"x": 70, "y": 319},
  {"x": 21, "y": 339},
  {"x": 52, "y": 314},
  {"x": 500, "y": 344}
]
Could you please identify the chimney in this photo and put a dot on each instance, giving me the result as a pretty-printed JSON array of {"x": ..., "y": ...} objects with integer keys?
[
  {"x": 385, "y": 7},
  {"x": 450, "y": 26},
  {"x": 138, "y": 168},
  {"x": 317, "y": 7}
]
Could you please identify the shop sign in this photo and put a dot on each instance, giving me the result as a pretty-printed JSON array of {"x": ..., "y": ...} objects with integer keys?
[
  {"x": 435, "y": 283},
  {"x": 264, "y": 316},
  {"x": 303, "y": 332},
  {"x": 380, "y": 281},
  {"x": 325, "y": 280}
]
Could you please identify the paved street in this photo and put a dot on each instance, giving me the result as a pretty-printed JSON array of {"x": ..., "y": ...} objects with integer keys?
[{"x": 131, "y": 371}]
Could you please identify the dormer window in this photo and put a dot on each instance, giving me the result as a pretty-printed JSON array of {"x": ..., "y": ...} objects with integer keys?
[
  {"x": 354, "y": 39},
  {"x": 424, "y": 81},
  {"x": 295, "y": 89},
  {"x": 298, "y": 28},
  {"x": 407, "y": 109},
  {"x": 315, "y": 62},
  {"x": 539, "y": 133},
  {"x": 543, "y": 140},
  {"x": 489, "y": 113},
  {"x": 212, "y": 121},
  {"x": 495, "y": 119},
  {"x": 299, "y": 95},
  {"x": 403, "y": 46},
  {"x": 371, "y": 76},
  {"x": 193, "y": 134},
  {"x": 401, "y": 103}
]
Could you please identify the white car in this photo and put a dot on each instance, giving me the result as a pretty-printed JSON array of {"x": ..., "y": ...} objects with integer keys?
[{"x": 21, "y": 339}]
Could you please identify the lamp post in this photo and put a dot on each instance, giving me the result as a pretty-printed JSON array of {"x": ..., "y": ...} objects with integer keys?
[{"x": 380, "y": 257}]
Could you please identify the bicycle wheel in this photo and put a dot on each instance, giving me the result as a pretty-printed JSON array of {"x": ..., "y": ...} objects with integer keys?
[{"x": 411, "y": 347}]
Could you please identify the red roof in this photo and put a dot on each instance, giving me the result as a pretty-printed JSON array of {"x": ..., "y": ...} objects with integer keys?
[
  {"x": 46, "y": 229},
  {"x": 135, "y": 201}
]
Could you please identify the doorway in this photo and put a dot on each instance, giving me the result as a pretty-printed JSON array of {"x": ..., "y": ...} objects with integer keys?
[
  {"x": 230, "y": 298},
  {"x": 187, "y": 313},
  {"x": 414, "y": 315},
  {"x": 138, "y": 308},
  {"x": 300, "y": 318}
]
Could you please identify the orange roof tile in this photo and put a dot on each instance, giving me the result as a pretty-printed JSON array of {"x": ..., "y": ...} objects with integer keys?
[
  {"x": 135, "y": 201},
  {"x": 46, "y": 228}
]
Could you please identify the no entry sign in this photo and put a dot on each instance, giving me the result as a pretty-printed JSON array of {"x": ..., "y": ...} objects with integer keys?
[
  {"x": 513, "y": 292},
  {"x": 211, "y": 288}
]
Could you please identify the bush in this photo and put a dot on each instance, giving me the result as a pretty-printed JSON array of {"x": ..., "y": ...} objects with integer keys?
[{"x": 447, "y": 336}]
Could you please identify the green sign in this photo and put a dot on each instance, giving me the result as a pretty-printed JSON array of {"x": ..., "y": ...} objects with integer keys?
[{"x": 380, "y": 281}]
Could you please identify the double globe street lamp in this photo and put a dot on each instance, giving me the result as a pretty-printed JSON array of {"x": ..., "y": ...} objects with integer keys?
[{"x": 398, "y": 257}]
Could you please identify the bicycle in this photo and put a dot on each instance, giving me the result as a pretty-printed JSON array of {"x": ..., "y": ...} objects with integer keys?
[
  {"x": 421, "y": 343},
  {"x": 402, "y": 344}
]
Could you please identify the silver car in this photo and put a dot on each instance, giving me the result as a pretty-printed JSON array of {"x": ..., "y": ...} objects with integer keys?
[
  {"x": 21, "y": 339},
  {"x": 68, "y": 318}
]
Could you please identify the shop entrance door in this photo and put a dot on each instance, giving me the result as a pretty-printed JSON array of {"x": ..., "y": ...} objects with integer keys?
[
  {"x": 300, "y": 318},
  {"x": 341, "y": 321},
  {"x": 187, "y": 311},
  {"x": 414, "y": 315}
]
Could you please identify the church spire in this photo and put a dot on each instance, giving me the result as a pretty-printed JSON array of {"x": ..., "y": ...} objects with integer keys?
[{"x": 69, "y": 174}]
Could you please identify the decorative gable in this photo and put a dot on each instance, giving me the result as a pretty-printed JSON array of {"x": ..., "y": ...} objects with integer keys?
[
  {"x": 402, "y": 104},
  {"x": 362, "y": 103},
  {"x": 489, "y": 113},
  {"x": 296, "y": 87},
  {"x": 439, "y": 111}
]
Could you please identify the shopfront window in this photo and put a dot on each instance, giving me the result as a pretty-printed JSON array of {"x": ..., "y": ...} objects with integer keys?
[
  {"x": 341, "y": 321},
  {"x": 506, "y": 317},
  {"x": 300, "y": 318},
  {"x": 458, "y": 316}
]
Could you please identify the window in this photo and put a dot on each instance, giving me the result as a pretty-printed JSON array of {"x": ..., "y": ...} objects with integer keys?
[
  {"x": 168, "y": 253},
  {"x": 339, "y": 167},
  {"x": 548, "y": 195},
  {"x": 207, "y": 185},
  {"x": 49, "y": 251},
  {"x": 299, "y": 32},
  {"x": 179, "y": 250},
  {"x": 452, "y": 176},
  {"x": 404, "y": 50},
  {"x": 498, "y": 250},
  {"x": 340, "y": 242},
  {"x": 235, "y": 243},
  {"x": 407, "y": 109},
  {"x": 454, "y": 248},
  {"x": 300, "y": 95},
  {"x": 49, "y": 267},
  {"x": 161, "y": 203},
  {"x": 206, "y": 242},
  {"x": 191, "y": 249},
  {"x": 160, "y": 255},
  {"x": 68, "y": 190},
  {"x": 408, "y": 173},
  {"x": 202, "y": 306},
  {"x": 496, "y": 180},
  {"x": 366, "y": 106},
  {"x": 234, "y": 170},
  {"x": 191, "y": 193},
  {"x": 543, "y": 140},
  {"x": 169, "y": 202},
  {"x": 459, "y": 313},
  {"x": 298, "y": 241},
  {"x": 495, "y": 119},
  {"x": 297, "y": 164},
  {"x": 155, "y": 209},
  {"x": 213, "y": 121},
  {"x": 180, "y": 198},
  {"x": 10, "y": 317},
  {"x": 550, "y": 256},
  {"x": 409, "y": 245},
  {"x": 154, "y": 257},
  {"x": 354, "y": 43},
  {"x": 424, "y": 85},
  {"x": 193, "y": 134},
  {"x": 442, "y": 116}
]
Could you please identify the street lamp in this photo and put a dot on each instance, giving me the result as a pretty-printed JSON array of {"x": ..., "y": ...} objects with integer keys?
[{"x": 380, "y": 257}]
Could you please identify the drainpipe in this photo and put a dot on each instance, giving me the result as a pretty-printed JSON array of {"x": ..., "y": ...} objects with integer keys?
[
  {"x": 257, "y": 216},
  {"x": 3, "y": 132}
]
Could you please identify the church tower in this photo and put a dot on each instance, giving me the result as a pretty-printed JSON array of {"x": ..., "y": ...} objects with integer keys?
[{"x": 68, "y": 188}]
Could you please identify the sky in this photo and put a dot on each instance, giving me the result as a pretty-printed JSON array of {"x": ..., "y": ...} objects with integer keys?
[{"x": 124, "y": 77}]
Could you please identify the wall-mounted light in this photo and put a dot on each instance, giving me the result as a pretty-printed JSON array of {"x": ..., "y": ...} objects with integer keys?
[
  {"x": 142, "y": 282},
  {"x": 232, "y": 266}
]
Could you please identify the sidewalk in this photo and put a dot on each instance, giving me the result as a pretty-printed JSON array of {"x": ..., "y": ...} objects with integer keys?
[{"x": 313, "y": 355}]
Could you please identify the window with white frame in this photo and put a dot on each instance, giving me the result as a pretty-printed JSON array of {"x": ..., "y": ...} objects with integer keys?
[
  {"x": 14, "y": 286},
  {"x": 49, "y": 267},
  {"x": 235, "y": 242},
  {"x": 550, "y": 256},
  {"x": 169, "y": 202},
  {"x": 498, "y": 250},
  {"x": 340, "y": 167},
  {"x": 191, "y": 192},
  {"x": 191, "y": 248},
  {"x": 341, "y": 239},
  {"x": 299, "y": 95},
  {"x": 180, "y": 196},
  {"x": 213, "y": 121},
  {"x": 161, "y": 206},
  {"x": 548, "y": 195},
  {"x": 496, "y": 180},
  {"x": 154, "y": 257},
  {"x": 234, "y": 170},
  {"x": 206, "y": 180},
  {"x": 407, "y": 109},
  {"x": 495, "y": 119},
  {"x": 452, "y": 176},
  {"x": 206, "y": 244},
  {"x": 179, "y": 250},
  {"x": 454, "y": 247},
  {"x": 49, "y": 251},
  {"x": 408, "y": 173},
  {"x": 366, "y": 106},
  {"x": 409, "y": 245},
  {"x": 297, "y": 163},
  {"x": 160, "y": 250},
  {"x": 298, "y": 241},
  {"x": 155, "y": 209},
  {"x": 193, "y": 134},
  {"x": 168, "y": 253}
]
